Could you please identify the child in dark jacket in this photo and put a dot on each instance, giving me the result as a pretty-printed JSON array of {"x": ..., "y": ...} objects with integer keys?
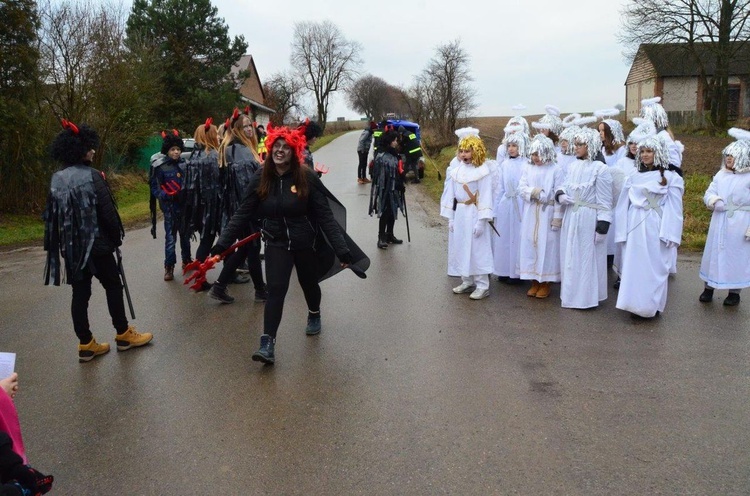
[{"x": 167, "y": 177}]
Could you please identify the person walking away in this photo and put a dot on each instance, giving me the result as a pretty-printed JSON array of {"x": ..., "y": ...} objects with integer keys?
[{"x": 81, "y": 225}]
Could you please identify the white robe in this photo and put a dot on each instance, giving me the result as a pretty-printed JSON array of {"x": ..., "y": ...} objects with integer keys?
[
  {"x": 564, "y": 162},
  {"x": 625, "y": 168},
  {"x": 648, "y": 214},
  {"x": 451, "y": 166},
  {"x": 508, "y": 209},
  {"x": 468, "y": 255},
  {"x": 539, "y": 257},
  {"x": 726, "y": 257},
  {"x": 583, "y": 262},
  {"x": 618, "y": 179}
]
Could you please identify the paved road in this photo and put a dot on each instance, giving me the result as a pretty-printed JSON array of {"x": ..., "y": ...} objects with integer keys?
[{"x": 409, "y": 389}]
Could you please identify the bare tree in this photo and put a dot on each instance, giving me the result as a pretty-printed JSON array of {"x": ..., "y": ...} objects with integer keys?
[
  {"x": 372, "y": 96},
  {"x": 282, "y": 92},
  {"x": 442, "y": 94},
  {"x": 324, "y": 60},
  {"x": 90, "y": 76},
  {"x": 710, "y": 32}
]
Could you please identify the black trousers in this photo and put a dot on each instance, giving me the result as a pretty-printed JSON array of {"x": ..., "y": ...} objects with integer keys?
[
  {"x": 204, "y": 248},
  {"x": 105, "y": 269},
  {"x": 251, "y": 252},
  {"x": 279, "y": 263},
  {"x": 362, "y": 167},
  {"x": 387, "y": 220}
]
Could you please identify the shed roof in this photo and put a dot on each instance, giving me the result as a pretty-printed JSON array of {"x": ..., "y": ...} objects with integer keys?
[{"x": 674, "y": 59}]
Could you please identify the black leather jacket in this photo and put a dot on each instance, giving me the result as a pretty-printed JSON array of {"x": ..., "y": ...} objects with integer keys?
[{"x": 293, "y": 222}]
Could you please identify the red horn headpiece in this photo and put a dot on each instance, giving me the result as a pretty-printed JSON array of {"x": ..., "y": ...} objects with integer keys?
[
  {"x": 235, "y": 115},
  {"x": 163, "y": 134},
  {"x": 175, "y": 132},
  {"x": 208, "y": 123},
  {"x": 66, "y": 124},
  {"x": 247, "y": 110}
]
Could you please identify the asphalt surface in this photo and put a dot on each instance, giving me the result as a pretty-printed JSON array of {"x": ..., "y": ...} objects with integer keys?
[{"x": 409, "y": 389}]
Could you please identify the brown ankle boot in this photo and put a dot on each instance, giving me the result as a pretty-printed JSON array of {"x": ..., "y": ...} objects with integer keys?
[
  {"x": 534, "y": 288},
  {"x": 543, "y": 291},
  {"x": 168, "y": 272}
]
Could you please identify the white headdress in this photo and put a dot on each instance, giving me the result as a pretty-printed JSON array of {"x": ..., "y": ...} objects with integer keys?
[
  {"x": 652, "y": 110},
  {"x": 466, "y": 131},
  {"x": 519, "y": 139},
  {"x": 544, "y": 147},
  {"x": 570, "y": 120},
  {"x": 568, "y": 135},
  {"x": 659, "y": 146},
  {"x": 590, "y": 138},
  {"x": 518, "y": 119},
  {"x": 739, "y": 149},
  {"x": 616, "y": 128},
  {"x": 551, "y": 120},
  {"x": 585, "y": 121}
]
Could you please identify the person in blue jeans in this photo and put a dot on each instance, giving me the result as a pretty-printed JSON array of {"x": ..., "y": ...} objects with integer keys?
[{"x": 167, "y": 177}]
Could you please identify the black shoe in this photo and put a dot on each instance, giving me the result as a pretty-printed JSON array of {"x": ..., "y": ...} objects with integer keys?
[
  {"x": 219, "y": 292},
  {"x": 265, "y": 352},
  {"x": 381, "y": 243},
  {"x": 616, "y": 285},
  {"x": 205, "y": 286},
  {"x": 261, "y": 294},
  {"x": 393, "y": 239},
  {"x": 708, "y": 295},
  {"x": 502, "y": 278},
  {"x": 511, "y": 281},
  {"x": 313, "y": 324},
  {"x": 243, "y": 268},
  {"x": 732, "y": 300},
  {"x": 240, "y": 279}
]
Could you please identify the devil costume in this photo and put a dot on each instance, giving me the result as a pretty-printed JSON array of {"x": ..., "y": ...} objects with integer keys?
[
  {"x": 167, "y": 181},
  {"x": 649, "y": 223},
  {"x": 387, "y": 191},
  {"x": 203, "y": 182},
  {"x": 83, "y": 227}
]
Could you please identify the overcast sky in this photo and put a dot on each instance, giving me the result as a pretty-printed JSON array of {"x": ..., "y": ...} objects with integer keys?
[{"x": 535, "y": 53}]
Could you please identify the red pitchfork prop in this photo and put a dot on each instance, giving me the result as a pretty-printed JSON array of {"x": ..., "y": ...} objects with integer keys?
[{"x": 199, "y": 276}]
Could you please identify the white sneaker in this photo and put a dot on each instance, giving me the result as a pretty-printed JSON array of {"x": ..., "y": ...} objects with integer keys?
[
  {"x": 463, "y": 288},
  {"x": 479, "y": 294}
]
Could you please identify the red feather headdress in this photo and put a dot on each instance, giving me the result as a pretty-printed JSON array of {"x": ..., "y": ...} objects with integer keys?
[{"x": 294, "y": 138}]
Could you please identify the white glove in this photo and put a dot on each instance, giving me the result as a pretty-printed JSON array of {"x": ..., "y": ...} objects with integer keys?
[
  {"x": 668, "y": 244},
  {"x": 535, "y": 193},
  {"x": 479, "y": 228},
  {"x": 720, "y": 206},
  {"x": 599, "y": 238},
  {"x": 564, "y": 199},
  {"x": 450, "y": 225}
]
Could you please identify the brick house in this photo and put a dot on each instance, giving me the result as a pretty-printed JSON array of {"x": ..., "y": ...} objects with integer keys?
[
  {"x": 251, "y": 89},
  {"x": 667, "y": 70}
]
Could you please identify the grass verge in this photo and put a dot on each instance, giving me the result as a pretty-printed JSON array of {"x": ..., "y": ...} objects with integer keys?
[{"x": 131, "y": 193}]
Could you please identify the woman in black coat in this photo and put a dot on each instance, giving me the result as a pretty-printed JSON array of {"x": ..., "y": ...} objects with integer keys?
[{"x": 290, "y": 201}]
